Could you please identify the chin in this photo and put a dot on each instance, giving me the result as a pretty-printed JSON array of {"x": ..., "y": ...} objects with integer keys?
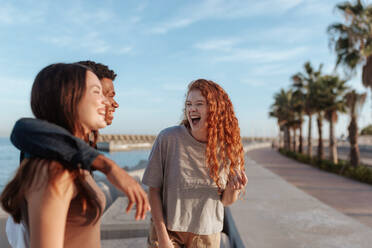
[{"x": 101, "y": 124}]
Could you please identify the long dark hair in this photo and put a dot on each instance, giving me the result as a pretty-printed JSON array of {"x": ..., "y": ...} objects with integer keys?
[{"x": 56, "y": 92}]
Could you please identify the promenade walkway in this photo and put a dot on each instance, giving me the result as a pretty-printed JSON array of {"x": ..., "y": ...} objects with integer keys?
[
  {"x": 275, "y": 213},
  {"x": 350, "y": 197}
]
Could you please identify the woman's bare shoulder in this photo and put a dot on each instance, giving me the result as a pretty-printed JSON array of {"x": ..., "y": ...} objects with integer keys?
[{"x": 53, "y": 178}]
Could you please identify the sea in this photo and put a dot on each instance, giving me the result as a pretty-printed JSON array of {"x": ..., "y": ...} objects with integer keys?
[{"x": 9, "y": 160}]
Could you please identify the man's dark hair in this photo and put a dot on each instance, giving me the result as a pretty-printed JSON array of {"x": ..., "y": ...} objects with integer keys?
[{"x": 101, "y": 70}]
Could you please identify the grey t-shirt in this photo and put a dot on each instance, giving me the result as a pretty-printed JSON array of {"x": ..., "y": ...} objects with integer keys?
[{"x": 191, "y": 202}]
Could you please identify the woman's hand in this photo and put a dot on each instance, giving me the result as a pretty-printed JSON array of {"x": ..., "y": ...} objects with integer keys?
[
  {"x": 158, "y": 219},
  {"x": 166, "y": 244},
  {"x": 126, "y": 184},
  {"x": 237, "y": 181}
]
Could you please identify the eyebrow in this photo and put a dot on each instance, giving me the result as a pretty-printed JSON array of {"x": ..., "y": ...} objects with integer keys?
[
  {"x": 197, "y": 101},
  {"x": 96, "y": 85}
]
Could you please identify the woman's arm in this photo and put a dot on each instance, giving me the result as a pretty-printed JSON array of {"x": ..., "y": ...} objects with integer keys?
[
  {"x": 234, "y": 185},
  {"x": 125, "y": 183},
  {"x": 48, "y": 204},
  {"x": 158, "y": 218}
]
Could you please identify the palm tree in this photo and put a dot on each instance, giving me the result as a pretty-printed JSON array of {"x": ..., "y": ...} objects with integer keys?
[
  {"x": 319, "y": 121},
  {"x": 354, "y": 103},
  {"x": 294, "y": 124},
  {"x": 334, "y": 103},
  {"x": 298, "y": 105},
  {"x": 305, "y": 83},
  {"x": 282, "y": 110},
  {"x": 319, "y": 97},
  {"x": 352, "y": 40}
]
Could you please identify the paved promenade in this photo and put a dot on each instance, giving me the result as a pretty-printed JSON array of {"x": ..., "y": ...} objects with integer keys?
[
  {"x": 274, "y": 213},
  {"x": 347, "y": 196}
]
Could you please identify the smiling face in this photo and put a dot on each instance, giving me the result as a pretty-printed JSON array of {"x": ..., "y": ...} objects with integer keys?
[
  {"x": 196, "y": 110},
  {"x": 92, "y": 107},
  {"x": 109, "y": 92}
]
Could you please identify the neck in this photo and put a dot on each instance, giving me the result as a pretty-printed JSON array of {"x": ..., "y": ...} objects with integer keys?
[
  {"x": 200, "y": 136},
  {"x": 82, "y": 135}
]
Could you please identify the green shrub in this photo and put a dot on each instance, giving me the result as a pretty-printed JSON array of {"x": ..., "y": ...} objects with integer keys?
[
  {"x": 363, "y": 173},
  {"x": 367, "y": 130},
  {"x": 360, "y": 173}
]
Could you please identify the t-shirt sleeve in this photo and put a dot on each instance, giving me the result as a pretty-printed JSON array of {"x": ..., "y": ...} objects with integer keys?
[
  {"x": 43, "y": 139},
  {"x": 153, "y": 176}
]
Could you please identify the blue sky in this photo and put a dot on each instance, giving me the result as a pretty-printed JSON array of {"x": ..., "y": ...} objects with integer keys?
[{"x": 251, "y": 48}]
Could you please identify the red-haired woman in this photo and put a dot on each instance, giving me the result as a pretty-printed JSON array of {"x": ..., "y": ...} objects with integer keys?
[
  {"x": 194, "y": 170},
  {"x": 59, "y": 205}
]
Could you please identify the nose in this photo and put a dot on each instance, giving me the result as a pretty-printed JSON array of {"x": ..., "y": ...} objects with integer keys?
[
  {"x": 115, "y": 104},
  {"x": 192, "y": 108}
]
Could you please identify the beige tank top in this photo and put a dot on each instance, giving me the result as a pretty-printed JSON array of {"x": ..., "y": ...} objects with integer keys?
[{"x": 76, "y": 234}]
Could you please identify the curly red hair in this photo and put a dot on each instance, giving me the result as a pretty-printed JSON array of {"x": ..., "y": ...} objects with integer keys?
[{"x": 224, "y": 146}]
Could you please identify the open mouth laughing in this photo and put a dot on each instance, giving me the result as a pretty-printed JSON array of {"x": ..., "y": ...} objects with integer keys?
[
  {"x": 195, "y": 120},
  {"x": 102, "y": 111}
]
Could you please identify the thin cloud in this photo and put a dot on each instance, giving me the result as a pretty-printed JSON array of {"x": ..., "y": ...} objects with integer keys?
[
  {"x": 224, "y": 45},
  {"x": 10, "y": 15},
  {"x": 174, "y": 87},
  {"x": 135, "y": 92},
  {"x": 146, "y": 96},
  {"x": 15, "y": 91},
  {"x": 62, "y": 41},
  {"x": 141, "y": 7},
  {"x": 316, "y": 8},
  {"x": 90, "y": 41},
  {"x": 222, "y": 9},
  {"x": 254, "y": 82},
  {"x": 135, "y": 20},
  {"x": 81, "y": 17},
  {"x": 7, "y": 14},
  {"x": 271, "y": 69},
  {"x": 287, "y": 34},
  {"x": 180, "y": 23},
  {"x": 261, "y": 55},
  {"x": 124, "y": 50}
]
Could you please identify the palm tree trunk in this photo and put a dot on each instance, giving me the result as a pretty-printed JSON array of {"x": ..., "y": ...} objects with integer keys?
[
  {"x": 332, "y": 142},
  {"x": 294, "y": 140},
  {"x": 320, "y": 137},
  {"x": 281, "y": 139},
  {"x": 300, "y": 139},
  {"x": 287, "y": 138},
  {"x": 353, "y": 139},
  {"x": 309, "y": 143}
]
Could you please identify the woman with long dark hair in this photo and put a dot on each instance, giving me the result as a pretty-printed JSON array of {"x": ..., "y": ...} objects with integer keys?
[{"x": 59, "y": 205}]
